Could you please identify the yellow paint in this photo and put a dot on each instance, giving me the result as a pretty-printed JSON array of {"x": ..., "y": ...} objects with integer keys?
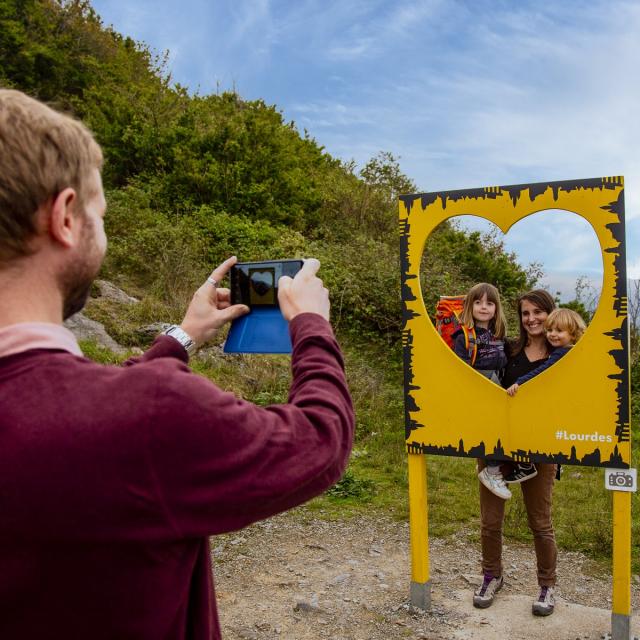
[
  {"x": 418, "y": 518},
  {"x": 621, "y": 598},
  {"x": 575, "y": 396},
  {"x": 621, "y": 603}
]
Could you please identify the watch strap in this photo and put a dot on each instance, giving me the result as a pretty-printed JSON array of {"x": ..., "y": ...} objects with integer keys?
[{"x": 179, "y": 334}]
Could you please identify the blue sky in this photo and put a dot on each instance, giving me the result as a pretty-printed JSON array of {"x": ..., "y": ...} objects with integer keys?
[{"x": 468, "y": 93}]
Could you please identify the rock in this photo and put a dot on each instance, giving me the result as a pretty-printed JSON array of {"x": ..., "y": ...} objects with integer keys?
[
  {"x": 148, "y": 333},
  {"x": 211, "y": 352},
  {"x": 84, "y": 328},
  {"x": 306, "y": 607},
  {"x": 109, "y": 291}
]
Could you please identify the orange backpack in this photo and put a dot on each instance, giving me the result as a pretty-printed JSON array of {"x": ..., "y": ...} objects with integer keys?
[{"x": 448, "y": 312}]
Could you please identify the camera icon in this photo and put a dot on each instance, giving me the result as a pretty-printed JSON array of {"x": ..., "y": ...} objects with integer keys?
[{"x": 621, "y": 479}]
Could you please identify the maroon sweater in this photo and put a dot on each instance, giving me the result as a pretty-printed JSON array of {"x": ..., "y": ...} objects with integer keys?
[{"x": 111, "y": 479}]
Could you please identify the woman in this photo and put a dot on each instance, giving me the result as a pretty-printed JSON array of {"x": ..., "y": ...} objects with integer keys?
[{"x": 524, "y": 355}]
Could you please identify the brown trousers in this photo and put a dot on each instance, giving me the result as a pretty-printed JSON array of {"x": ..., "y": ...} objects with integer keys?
[{"x": 537, "y": 499}]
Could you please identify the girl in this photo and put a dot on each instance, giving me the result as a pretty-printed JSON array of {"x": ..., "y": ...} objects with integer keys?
[{"x": 480, "y": 343}]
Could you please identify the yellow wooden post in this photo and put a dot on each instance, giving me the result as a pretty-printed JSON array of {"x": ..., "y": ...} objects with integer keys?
[
  {"x": 621, "y": 605},
  {"x": 418, "y": 518}
]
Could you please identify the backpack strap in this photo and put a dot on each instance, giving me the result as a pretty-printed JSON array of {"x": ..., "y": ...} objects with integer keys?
[{"x": 470, "y": 342}]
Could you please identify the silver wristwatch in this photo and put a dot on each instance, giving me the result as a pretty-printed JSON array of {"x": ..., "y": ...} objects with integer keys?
[{"x": 182, "y": 337}]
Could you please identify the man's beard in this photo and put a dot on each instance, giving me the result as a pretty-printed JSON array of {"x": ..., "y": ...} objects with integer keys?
[
  {"x": 77, "y": 287},
  {"x": 76, "y": 279}
]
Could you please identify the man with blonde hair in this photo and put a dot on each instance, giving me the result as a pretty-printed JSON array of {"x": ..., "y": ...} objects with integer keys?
[{"x": 112, "y": 478}]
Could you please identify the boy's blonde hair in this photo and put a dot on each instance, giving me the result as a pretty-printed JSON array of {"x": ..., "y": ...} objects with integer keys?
[
  {"x": 42, "y": 152},
  {"x": 566, "y": 320},
  {"x": 498, "y": 325}
]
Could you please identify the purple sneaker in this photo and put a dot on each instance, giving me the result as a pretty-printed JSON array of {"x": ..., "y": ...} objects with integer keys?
[
  {"x": 545, "y": 603},
  {"x": 484, "y": 595}
]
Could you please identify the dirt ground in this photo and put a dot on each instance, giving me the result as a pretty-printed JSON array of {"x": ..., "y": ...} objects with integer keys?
[{"x": 299, "y": 578}]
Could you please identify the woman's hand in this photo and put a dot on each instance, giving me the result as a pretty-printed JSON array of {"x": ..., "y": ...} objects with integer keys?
[{"x": 513, "y": 389}]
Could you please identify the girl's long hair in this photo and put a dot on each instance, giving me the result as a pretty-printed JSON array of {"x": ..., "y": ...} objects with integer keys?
[
  {"x": 541, "y": 299},
  {"x": 497, "y": 326}
]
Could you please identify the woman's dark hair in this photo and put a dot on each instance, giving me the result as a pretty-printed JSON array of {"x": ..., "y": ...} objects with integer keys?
[{"x": 541, "y": 299}]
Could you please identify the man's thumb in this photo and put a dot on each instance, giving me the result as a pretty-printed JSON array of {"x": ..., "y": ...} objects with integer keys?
[{"x": 233, "y": 312}]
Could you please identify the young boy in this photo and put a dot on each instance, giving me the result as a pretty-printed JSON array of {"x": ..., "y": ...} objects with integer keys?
[{"x": 564, "y": 328}]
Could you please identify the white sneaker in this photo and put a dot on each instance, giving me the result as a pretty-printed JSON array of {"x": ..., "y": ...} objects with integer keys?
[{"x": 494, "y": 481}]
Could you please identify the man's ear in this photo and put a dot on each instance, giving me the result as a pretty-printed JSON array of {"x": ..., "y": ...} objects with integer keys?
[{"x": 64, "y": 224}]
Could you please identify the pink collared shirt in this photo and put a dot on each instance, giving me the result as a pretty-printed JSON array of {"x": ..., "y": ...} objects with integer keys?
[{"x": 26, "y": 336}]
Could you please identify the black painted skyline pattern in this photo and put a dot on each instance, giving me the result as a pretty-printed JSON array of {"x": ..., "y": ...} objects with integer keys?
[
  {"x": 620, "y": 355},
  {"x": 591, "y": 459},
  {"x": 410, "y": 404},
  {"x": 515, "y": 192}
]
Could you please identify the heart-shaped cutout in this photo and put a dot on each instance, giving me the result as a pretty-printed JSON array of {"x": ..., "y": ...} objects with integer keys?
[
  {"x": 580, "y": 414},
  {"x": 466, "y": 249}
]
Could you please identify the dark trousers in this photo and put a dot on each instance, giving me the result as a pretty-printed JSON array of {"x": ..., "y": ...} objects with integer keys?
[{"x": 536, "y": 493}]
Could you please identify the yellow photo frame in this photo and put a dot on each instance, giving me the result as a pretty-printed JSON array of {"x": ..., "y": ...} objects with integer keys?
[{"x": 576, "y": 412}]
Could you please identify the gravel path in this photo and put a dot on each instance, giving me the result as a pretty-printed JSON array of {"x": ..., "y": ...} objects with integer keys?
[{"x": 299, "y": 578}]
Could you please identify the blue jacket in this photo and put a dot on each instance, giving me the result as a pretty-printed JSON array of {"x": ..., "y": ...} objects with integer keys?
[
  {"x": 556, "y": 354},
  {"x": 490, "y": 356}
]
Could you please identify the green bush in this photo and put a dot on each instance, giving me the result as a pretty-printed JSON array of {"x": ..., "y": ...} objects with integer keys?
[{"x": 352, "y": 487}]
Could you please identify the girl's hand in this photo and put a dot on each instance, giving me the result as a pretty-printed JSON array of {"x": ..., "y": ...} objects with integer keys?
[{"x": 513, "y": 389}]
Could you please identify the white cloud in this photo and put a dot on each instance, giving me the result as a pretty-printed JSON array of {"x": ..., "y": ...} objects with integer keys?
[
  {"x": 633, "y": 270},
  {"x": 565, "y": 285},
  {"x": 250, "y": 19},
  {"x": 349, "y": 51},
  {"x": 332, "y": 114}
]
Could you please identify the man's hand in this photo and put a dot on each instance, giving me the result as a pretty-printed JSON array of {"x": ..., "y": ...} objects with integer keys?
[
  {"x": 211, "y": 307},
  {"x": 303, "y": 294},
  {"x": 512, "y": 390}
]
